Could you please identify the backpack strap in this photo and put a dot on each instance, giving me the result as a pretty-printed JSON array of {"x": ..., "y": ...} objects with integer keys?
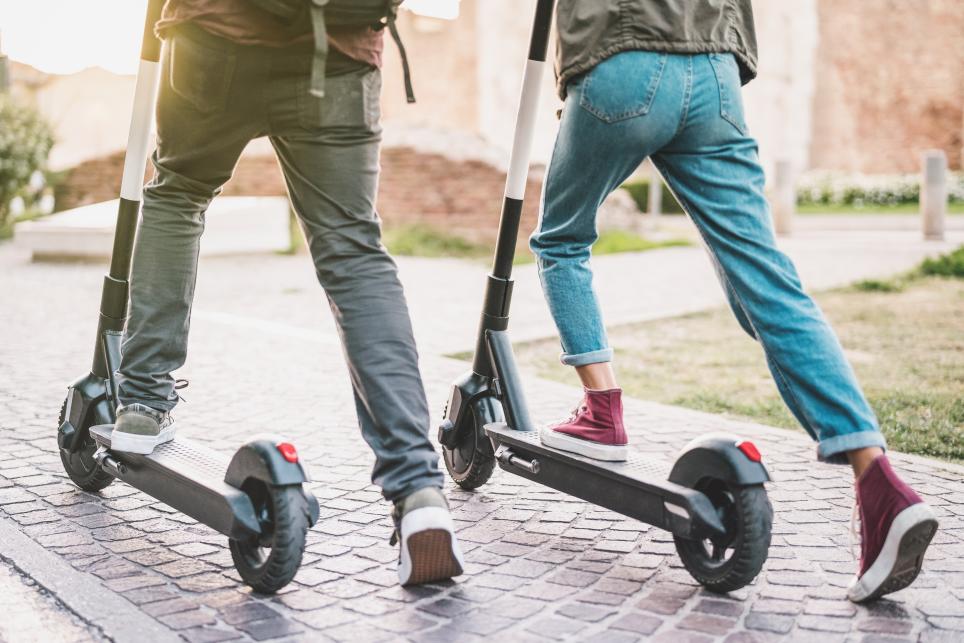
[
  {"x": 317, "y": 12},
  {"x": 406, "y": 71}
]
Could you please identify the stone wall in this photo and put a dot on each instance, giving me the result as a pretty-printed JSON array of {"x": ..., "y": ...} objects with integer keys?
[
  {"x": 889, "y": 84},
  {"x": 461, "y": 197}
]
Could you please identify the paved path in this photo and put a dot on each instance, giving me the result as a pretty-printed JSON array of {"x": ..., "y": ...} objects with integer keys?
[{"x": 542, "y": 566}]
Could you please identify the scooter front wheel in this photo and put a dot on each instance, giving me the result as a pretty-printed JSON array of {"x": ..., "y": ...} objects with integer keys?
[
  {"x": 80, "y": 465},
  {"x": 471, "y": 462},
  {"x": 731, "y": 561},
  {"x": 269, "y": 562}
]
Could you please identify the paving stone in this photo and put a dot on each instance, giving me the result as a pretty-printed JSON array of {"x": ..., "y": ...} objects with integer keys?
[
  {"x": 585, "y": 612},
  {"x": 824, "y": 623},
  {"x": 637, "y": 622},
  {"x": 270, "y": 628},
  {"x": 555, "y": 628},
  {"x": 884, "y": 626},
  {"x": 184, "y": 620},
  {"x": 769, "y": 622},
  {"x": 209, "y": 635},
  {"x": 246, "y": 612},
  {"x": 715, "y": 625}
]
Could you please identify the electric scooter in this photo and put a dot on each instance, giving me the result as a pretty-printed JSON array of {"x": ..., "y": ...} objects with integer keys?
[
  {"x": 711, "y": 499},
  {"x": 256, "y": 498}
]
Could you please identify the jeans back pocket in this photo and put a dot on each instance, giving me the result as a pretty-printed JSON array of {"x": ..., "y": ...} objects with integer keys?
[
  {"x": 201, "y": 74},
  {"x": 731, "y": 96},
  {"x": 351, "y": 100},
  {"x": 623, "y": 86}
]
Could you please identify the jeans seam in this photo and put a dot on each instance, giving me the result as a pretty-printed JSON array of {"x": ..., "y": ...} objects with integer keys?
[
  {"x": 739, "y": 300},
  {"x": 687, "y": 95}
]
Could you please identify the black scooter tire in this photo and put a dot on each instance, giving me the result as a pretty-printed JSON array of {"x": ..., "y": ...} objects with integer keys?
[
  {"x": 748, "y": 516},
  {"x": 482, "y": 459},
  {"x": 80, "y": 465},
  {"x": 284, "y": 512}
]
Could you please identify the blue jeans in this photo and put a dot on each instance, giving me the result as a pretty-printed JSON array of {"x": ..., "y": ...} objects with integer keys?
[{"x": 685, "y": 112}]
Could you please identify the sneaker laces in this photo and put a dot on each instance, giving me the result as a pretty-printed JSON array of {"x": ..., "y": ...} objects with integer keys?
[
  {"x": 179, "y": 385},
  {"x": 854, "y": 534},
  {"x": 576, "y": 412}
]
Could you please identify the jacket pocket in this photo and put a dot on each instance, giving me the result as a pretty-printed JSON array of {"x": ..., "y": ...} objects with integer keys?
[
  {"x": 201, "y": 74},
  {"x": 350, "y": 100},
  {"x": 623, "y": 86},
  {"x": 731, "y": 97}
]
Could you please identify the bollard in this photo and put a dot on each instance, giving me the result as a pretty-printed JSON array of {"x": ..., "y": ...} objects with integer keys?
[
  {"x": 654, "y": 201},
  {"x": 933, "y": 194},
  {"x": 784, "y": 197}
]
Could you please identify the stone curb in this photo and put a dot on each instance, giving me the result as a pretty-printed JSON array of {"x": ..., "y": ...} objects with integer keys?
[{"x": 81, "y": 593}]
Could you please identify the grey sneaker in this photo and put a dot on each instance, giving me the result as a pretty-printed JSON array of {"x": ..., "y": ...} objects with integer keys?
[
  {"x": 139, "y": 429},
  {"x": 428, "y": 549}
]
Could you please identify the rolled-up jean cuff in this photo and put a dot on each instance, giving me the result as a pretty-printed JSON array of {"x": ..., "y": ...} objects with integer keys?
[
  {"x": 834, "y": 450},
  {"x": 592, "y": 357}
]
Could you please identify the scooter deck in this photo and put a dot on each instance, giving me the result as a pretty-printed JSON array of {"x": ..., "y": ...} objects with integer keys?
[
  {"x": 187, "y": 476},
  {"x": 637, "y": 488}
]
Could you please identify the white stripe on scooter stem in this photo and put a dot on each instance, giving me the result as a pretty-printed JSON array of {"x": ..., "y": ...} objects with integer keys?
[
  {"x": 515, "y": 185},
  {"x": 142, "y": 126}
]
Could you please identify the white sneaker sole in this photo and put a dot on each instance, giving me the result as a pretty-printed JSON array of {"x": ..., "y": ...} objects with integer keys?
[
  {"x": 900, "y": 558},
  {"x": 140, "y": 444},
  {"x": 594, "y": 450},
  {"x": 429, "y": 549}
]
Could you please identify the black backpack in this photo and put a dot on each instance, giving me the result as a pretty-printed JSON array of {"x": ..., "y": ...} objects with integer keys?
[{"x": 377, "y": 14}]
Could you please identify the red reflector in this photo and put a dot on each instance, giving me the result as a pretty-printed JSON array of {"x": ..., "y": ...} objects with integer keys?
[
  {"x": 749, "y": 450},
  {"x": 288, "y": 451}
]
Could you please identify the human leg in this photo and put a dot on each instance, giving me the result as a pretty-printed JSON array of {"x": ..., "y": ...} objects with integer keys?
[
  {"x": 713, "y": 169},
  {"x": 199, "y": 141}
]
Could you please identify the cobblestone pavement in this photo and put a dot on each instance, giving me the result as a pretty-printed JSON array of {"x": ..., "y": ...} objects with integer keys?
[{"x": 541, "y": 565}]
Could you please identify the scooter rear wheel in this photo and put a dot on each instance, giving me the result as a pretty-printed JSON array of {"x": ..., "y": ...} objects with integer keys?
[
  {"x": 728, "y": 563},
  {"x": 80, "y": 465},
  {"x": 269, "y": 562},
  {"x": 471, "y": 463}
]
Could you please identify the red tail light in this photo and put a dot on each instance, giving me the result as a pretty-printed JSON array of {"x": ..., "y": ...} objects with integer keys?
[
  {"x": 749, "y": 450},
  {"x": 288, "y": 451}
]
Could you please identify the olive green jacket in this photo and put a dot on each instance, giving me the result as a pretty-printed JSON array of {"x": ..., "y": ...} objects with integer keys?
[{"x": 589, "y": 31}]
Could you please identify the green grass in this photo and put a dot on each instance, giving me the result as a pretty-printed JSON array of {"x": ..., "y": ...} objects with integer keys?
[
  {"x": 427, "y": 241},
  {"x": 903, "y": 208},
  {"x": 903, "y": 337},
  {"x": 948, "y": 265}
]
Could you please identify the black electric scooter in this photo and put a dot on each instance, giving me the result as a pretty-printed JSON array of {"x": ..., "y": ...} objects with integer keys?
[
  {"x": 256, "y": 498},
  {"x": 712, "y": 498}
]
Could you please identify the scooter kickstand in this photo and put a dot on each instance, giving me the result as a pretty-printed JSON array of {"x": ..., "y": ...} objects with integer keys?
[{"x": 505, "y": 455}]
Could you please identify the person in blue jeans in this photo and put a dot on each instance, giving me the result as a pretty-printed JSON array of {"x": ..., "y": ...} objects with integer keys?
[{"x": 637, "y": 96}]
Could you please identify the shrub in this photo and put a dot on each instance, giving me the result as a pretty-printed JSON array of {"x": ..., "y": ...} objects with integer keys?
[
  {"x": 639, "y": 190},
  {"x": 834, "y": 189},
  {"x": 25, "y": 142},
  {"x": 949, "y": 265}
]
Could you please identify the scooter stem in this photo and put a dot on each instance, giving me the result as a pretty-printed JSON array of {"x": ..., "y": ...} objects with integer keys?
[
  {"x": 519, "y": 157},
  {"x": 498, "y": 290},
  {"x": 113, "y": 303}
]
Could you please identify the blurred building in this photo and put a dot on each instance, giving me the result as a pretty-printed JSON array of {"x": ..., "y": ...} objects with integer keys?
[{"x": 843, "y": 85}]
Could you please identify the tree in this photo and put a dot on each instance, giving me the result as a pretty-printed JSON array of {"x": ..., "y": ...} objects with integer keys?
[{"x": 25, "y": 142}]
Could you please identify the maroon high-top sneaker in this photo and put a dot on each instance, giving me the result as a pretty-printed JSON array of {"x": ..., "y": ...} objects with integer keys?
[
  {"x": 595, "y": 428},
  {"x": 895, "y": 529}
]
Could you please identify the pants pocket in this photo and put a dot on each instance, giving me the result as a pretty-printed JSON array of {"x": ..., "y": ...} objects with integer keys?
[
  {"x": 623, "y": 86},
  {"x": 350, "y": 100},
  {"x": 731, "y": 97},
  {"x": 201, "y": 74}
]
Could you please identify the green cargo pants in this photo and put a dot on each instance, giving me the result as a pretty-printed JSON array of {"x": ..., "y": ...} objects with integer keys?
[{"x": 215, "y": 97}]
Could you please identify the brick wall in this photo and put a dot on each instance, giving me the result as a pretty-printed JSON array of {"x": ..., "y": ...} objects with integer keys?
[
  {"x": 463, "y": 197},
  {"x": 889, "y": 84}
]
